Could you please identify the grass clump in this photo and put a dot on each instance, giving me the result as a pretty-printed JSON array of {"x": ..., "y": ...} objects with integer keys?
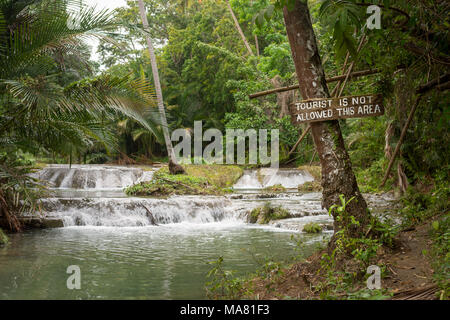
[
  {"x": 3, "y": 238},
  {"x": 312, "y": 227},
  {"x": 310, "y": 186},
  {"x": 267, "y": 213},
  {"x": 198, "y": 180}
]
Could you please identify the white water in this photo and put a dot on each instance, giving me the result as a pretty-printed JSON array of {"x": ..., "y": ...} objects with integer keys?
[
  {"x": 267, "y": 177},
  {"x": 90, "y": 177},
  {"x": 136, "y": 212},
  {"x": 133, "y": 212},
  {"x": 123, "y": 256},
  {"x": 92, "y": 196}
]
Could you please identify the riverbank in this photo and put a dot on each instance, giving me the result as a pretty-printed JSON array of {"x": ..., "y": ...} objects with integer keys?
[
  {"x": 407, "y": 273},
  {"x": 412, "y": 255}
]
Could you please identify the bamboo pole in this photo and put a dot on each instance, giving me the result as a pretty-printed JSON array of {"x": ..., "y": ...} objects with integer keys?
[
  {"x": 400, "y": 141},
  {"x": 350, "y": 68},
  {"x": 300, "y": 140},
  {"x": 312, "y": 159},
  {"x": 329, "y": 80}
]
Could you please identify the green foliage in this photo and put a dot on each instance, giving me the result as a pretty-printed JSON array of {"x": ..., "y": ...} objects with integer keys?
[
  {"x": 43, "y": 111},
  {"x": 440, "y": 254},
  {"x": 277, "y": 60},
  {"x": 355, "y": 253},
  {"x": 419, "y": 207},
  {"x": 19, "y": 193},
  {"x": 312, "y": 227},
  {"x": 344, "y": 16},
  {"x": 223, "y": 284},
  {"x": 201, "y": 179}
]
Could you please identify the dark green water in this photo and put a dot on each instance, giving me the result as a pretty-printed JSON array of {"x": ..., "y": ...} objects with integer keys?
[{"x": 165, "y": 262}]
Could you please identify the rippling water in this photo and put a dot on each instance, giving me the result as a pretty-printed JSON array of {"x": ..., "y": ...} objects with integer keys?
[
  {"x": 121, "y": 256},
  {"x": 164, "y": 262}
]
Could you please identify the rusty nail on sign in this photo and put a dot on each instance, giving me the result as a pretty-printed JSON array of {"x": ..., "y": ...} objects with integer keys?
[{"x": 324, "y": 109}]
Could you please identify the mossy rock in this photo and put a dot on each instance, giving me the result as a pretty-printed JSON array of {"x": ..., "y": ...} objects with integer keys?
[
  {"x": 267, "y": 213},
  {"x": 312, "y": 227},
  {"x": 253, "y": 215},
  {"x": 3, "y": 238}
]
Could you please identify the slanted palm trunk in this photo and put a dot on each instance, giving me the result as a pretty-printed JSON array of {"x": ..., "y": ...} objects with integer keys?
[
  {"x": 173, "y": 165},
  {"x": 337, "y": 174},
  {"x": 239, "y": 29}
]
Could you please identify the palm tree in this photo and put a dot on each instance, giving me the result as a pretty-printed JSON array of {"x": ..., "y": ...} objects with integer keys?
[
  {"x": 174, "y": 167},
  {"x": 36, "y": 111}
]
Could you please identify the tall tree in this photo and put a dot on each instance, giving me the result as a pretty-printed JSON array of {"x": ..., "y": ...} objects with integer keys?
[
  {"x": 174, "y": 167},
  {"x": 337, "y": 174}
]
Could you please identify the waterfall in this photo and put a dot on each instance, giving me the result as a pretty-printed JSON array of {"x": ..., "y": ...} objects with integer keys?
[
  {"x": 131, "y": 212},
  {"x": 249, "y": 180},
  {"x": 92, "y": 196},
  {"x": 267, "y": 177},
  {"x": 98, "y": 177}
]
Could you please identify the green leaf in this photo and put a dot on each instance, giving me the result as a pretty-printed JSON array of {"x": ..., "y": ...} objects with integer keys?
[{"x": 435, "y": 225}]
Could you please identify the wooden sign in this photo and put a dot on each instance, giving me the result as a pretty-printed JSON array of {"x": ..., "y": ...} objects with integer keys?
[{"x": 324, "y": 109}]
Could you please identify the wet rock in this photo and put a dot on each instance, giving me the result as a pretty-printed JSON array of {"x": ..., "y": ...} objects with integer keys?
[{"x": 52, "y": 223}]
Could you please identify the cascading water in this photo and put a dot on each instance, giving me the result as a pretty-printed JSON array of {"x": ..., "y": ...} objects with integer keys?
[
  {"x": 267, "y": 177},
  {"x": 87, "y": 177},
  {"x": 154, "y": 248},
  {"x": 133, "y": 212},
  {"x": 249, "y": 180},
  {"x": 82, "y": 200}
]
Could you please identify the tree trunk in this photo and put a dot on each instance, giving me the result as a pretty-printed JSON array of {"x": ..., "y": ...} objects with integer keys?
[
  {"x": 337, "y": 174},
  {"x": 174, "y": 167},
  {"x": 238, "y": 27}
]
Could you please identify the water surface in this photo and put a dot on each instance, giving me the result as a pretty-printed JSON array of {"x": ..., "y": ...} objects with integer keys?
[{"x": 163, "y": 262}]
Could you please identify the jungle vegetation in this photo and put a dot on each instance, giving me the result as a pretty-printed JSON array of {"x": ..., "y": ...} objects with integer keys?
[{"x": 58, "y": 105}]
